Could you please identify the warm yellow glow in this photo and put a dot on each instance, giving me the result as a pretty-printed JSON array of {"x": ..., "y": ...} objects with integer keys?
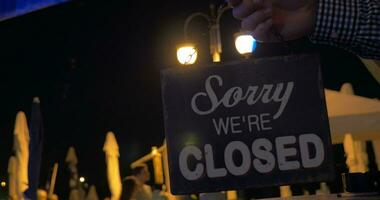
[
  {"x": 154, "y": 151},
  {"x": 285, "y": 191},
  {"x": 3, "y": 184},
  {"x": 82, "y": 179},
  {"x": 232, "y": 195},
  {"x": 245, "y": 44},
  {"x": 187, "y": 54},
  {"x": 216, "y": 57},
  {"x": 157, "y": 166}
]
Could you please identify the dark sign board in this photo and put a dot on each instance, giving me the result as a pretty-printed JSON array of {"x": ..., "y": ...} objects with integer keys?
[{"x": 249, "y": 124}]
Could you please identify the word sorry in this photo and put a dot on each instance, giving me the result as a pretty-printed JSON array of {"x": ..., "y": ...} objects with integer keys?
[
  {"x": 263, "y": 160},
  {"x": 234, "y": 95}
]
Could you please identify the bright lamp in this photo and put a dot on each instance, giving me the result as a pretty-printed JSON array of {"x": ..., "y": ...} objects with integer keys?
[
  {"x": 187, "y": 54},
  {"x": 245, "y": 44}
]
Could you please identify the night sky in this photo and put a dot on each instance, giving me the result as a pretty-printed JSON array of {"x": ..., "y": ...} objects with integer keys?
[{"x": 95, "y": 66}]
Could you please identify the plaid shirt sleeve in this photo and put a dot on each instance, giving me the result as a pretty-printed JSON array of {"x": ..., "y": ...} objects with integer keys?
[{"x": 351, "y": 24}]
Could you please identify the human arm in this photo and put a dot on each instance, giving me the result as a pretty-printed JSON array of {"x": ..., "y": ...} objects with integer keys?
[{"x": 350, "y": 24}]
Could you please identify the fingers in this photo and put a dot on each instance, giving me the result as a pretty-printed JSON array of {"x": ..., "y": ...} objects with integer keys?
[
  {"x": 253, "y": 20},
  {"x": 246, "y": 7},
  {"x": 262, "y": 32},
  {"x": 260, "y": 23}
]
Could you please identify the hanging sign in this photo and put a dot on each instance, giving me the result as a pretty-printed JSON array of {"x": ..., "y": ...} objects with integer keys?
[{"x": 248, "y": 124}]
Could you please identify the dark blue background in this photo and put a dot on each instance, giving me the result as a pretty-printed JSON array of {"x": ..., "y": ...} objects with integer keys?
[{"x": 13, "y": 8}]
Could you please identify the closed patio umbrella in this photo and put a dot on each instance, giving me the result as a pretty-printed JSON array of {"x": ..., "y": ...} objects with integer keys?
[
  {"x": 12, "y": 171},
  {"x": 111, "y": 150},
  {"x": 35, "y": 149},
  {"x": 21, "y": 148},
  {"x": 72, "y": 161},
  {"x": 92, "y": 194}
]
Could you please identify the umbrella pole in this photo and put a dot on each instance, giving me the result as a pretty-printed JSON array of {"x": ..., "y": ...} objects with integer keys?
[
  {"x": 147, "y": 157},
  {"x": 53, "y": 179},
  {"x": 166, "y": 172}
]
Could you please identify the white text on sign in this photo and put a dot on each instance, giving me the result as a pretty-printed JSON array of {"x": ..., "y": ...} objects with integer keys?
[
  {"x": 235, "y": 95},
  {"x": 261, "y": 157},
  {"x": 236, "y": 124}
]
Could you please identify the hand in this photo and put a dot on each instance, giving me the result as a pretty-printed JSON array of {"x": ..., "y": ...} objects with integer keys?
[{"x": 292, "y": 19}]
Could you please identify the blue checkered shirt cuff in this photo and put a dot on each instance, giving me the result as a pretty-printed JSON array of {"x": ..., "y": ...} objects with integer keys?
[{"x": 351, "y": 24}]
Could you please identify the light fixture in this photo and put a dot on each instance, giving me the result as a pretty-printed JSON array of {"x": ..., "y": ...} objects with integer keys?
[
  {"x": 82, "y": 179},
  {"x": 245, "y": 43},
  {"x": 3, "y": 184},
  {"x": 187, "y": 54}
]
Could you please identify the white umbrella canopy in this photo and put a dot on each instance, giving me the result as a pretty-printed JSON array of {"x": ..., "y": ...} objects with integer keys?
[
  {"x": 21, "y": 148},
  {"x": 353, "y": 114},
  {"x": 92, "y": 194},
  {"x": 111, "y": 150},
  {"x": 12, "y": 171},
  {"x": 74, "y": 195},
  {"x": 71, "y": 156},
  {"x": 72, "y": 161}
]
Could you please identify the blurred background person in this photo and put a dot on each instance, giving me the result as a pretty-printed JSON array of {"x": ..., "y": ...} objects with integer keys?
[
  {"x": 129, "y": 189},
  {"x": 142, "y": 175}
]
